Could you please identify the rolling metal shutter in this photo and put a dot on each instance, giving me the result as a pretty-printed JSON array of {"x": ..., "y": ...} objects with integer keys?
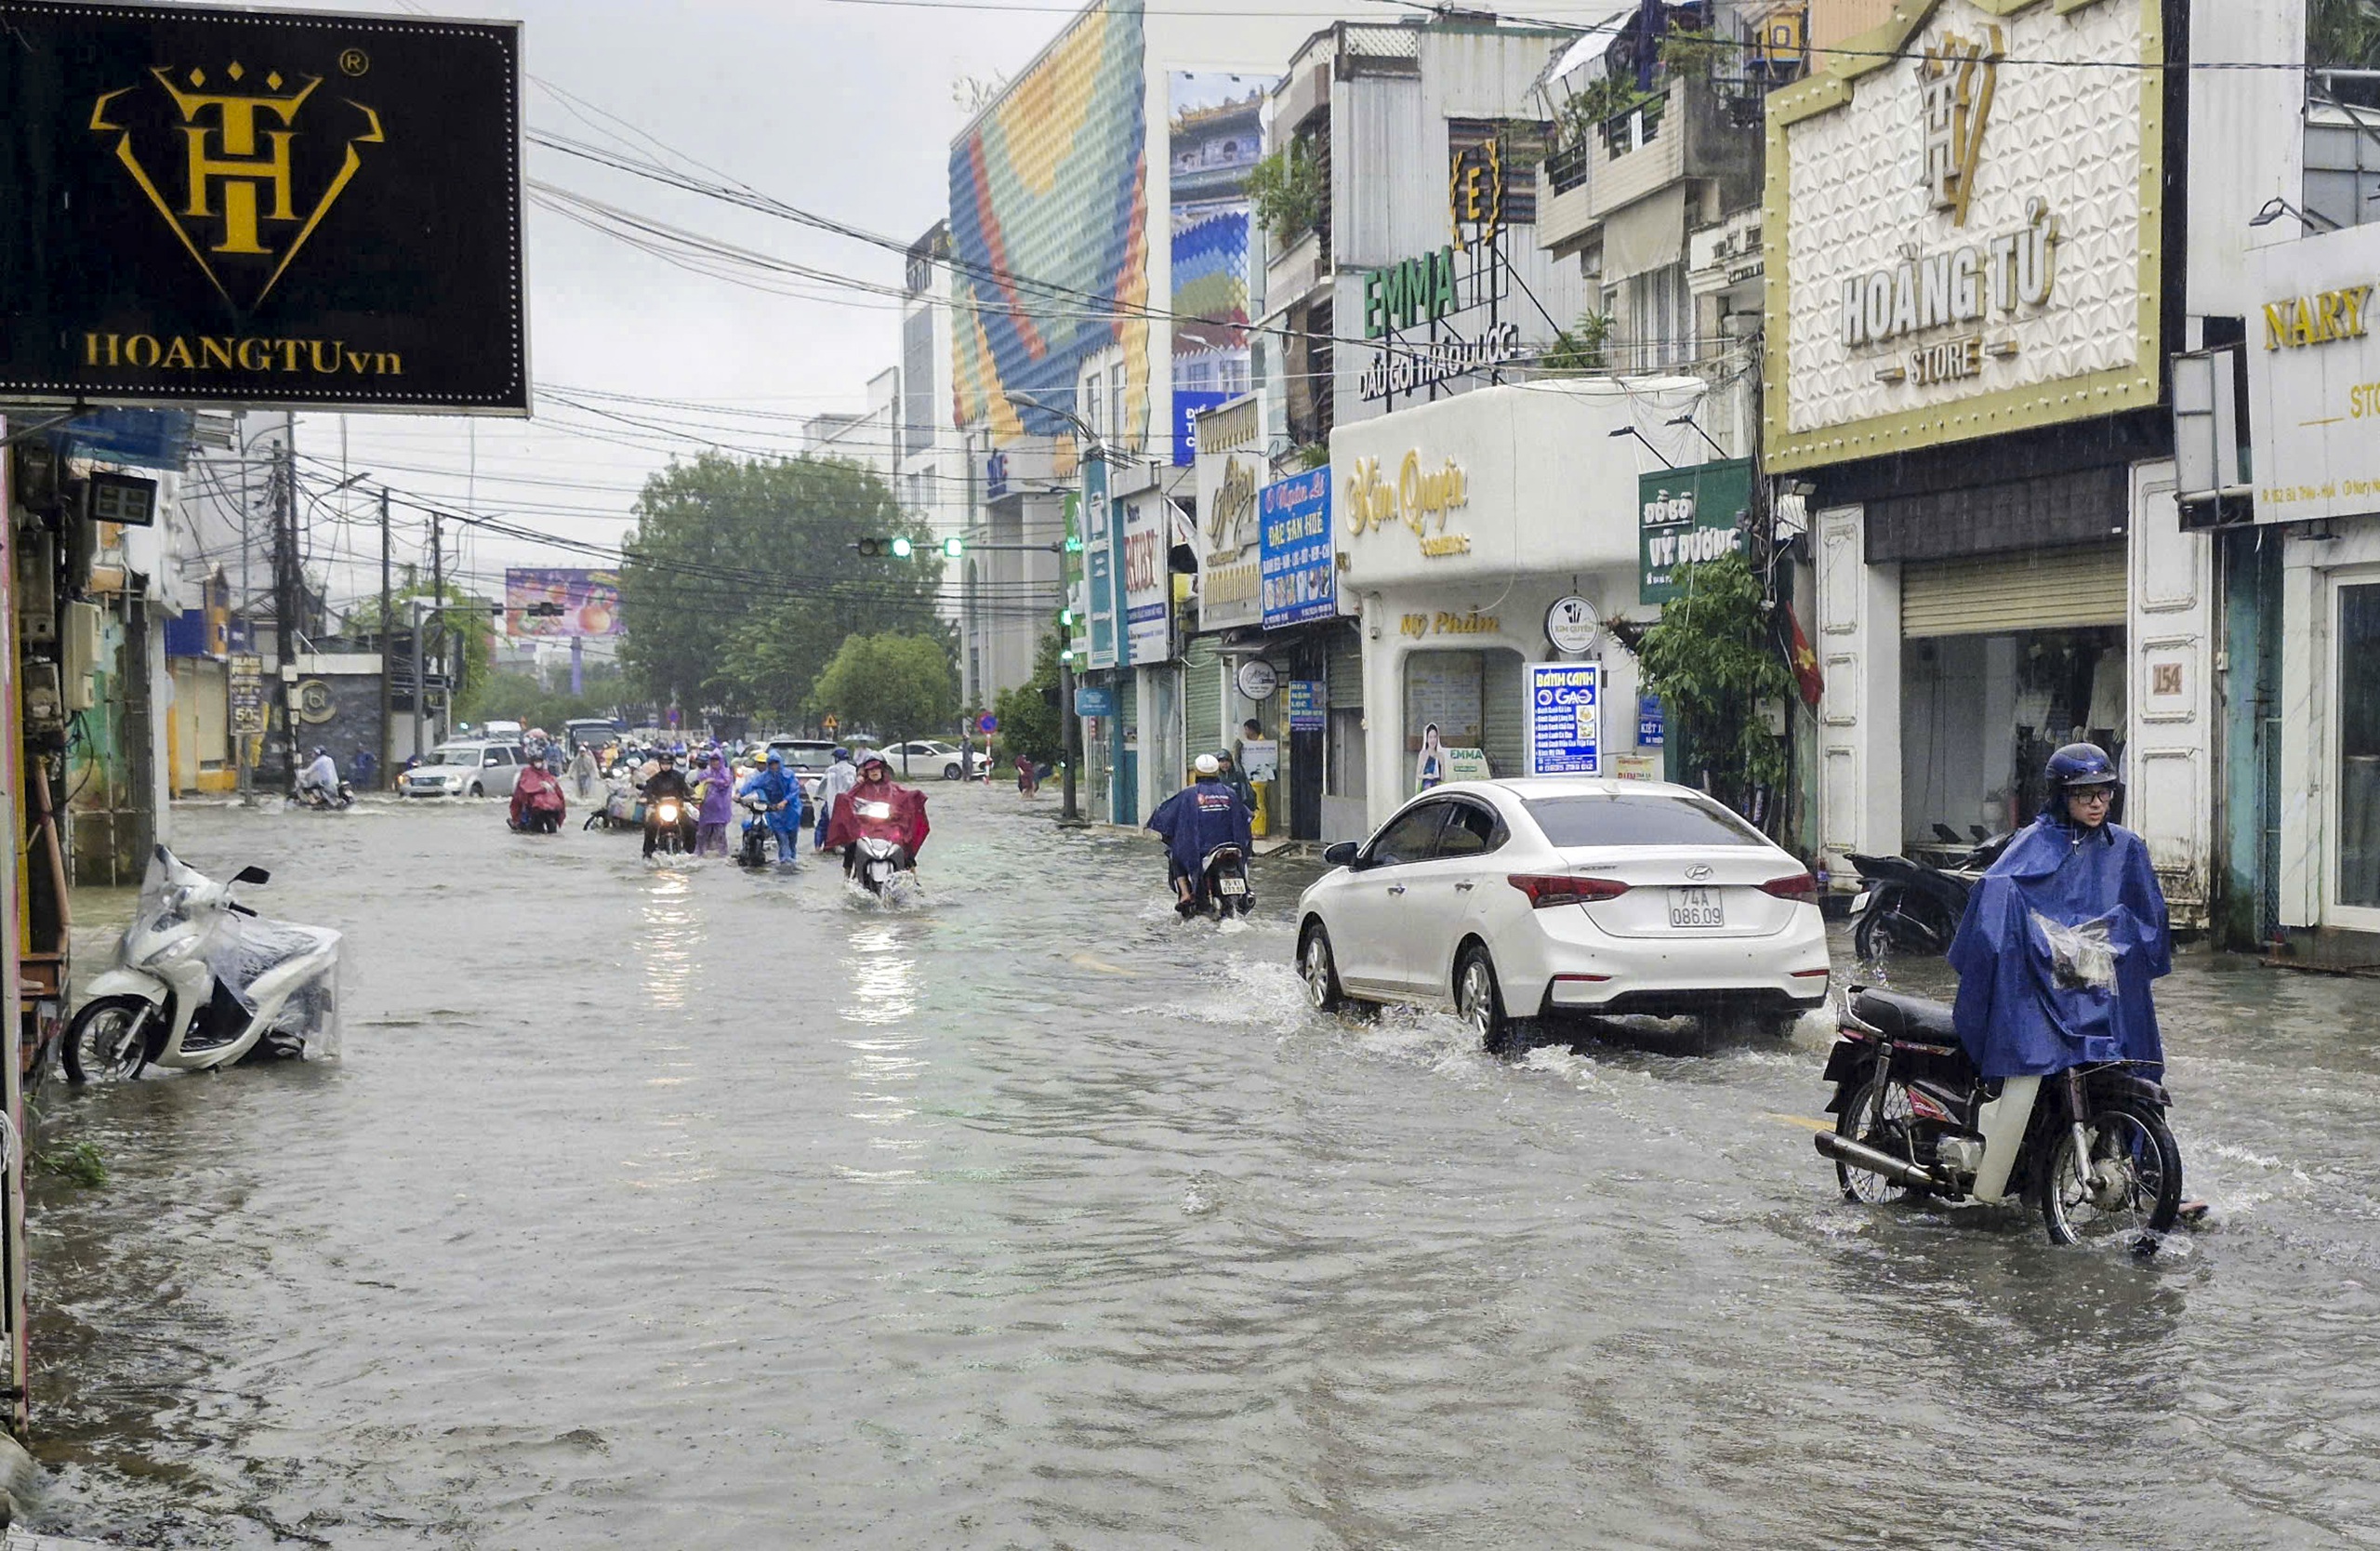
[
  {"x": 1202, "y": 699},
  {"x": 1504, "y": 715},
  {"x": 1344, "y": 671},
  {"x": 2047, "y": 590}
]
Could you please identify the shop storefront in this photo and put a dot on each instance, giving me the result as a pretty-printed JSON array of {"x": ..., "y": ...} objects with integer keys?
[
  {"x": 2311, "y": 361},
  {"x": 1458, "y": 527},
  {"x": 1965, "y": 349}
]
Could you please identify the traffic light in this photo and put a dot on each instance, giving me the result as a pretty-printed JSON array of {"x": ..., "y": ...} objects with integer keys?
[
  {"x": 902, "y": 548},
  {"x": 1074, "y": 544},
  {"x": 1066, "y": 618},
  {"x": 1066, "y": 654},
  {"x": 876, "y": 549},
  {"x": 953, "y": 549}
]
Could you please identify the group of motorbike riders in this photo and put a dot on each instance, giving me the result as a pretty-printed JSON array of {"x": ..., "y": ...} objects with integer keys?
[{"x": 856, "y": 798}]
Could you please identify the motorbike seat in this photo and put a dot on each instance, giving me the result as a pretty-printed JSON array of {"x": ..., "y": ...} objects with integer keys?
[{"x": 1905, "y": 1017}]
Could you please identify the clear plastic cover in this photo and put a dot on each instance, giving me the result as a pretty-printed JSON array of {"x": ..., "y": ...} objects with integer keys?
[
  {"x": 165, "y": 895},
  {"x": 2080, "y": 956}
]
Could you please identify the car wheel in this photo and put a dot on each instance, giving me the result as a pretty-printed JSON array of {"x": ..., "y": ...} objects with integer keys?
[
  {"x": 1321, "y": 972},
  {"x": 950, "y": 772},
  {"x": 478, "y": 791},
  {"x": 1480, "y": 1003}
]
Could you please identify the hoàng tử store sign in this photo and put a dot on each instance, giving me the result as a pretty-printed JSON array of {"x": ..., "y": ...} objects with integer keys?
[{"x": 286, "y": 208}]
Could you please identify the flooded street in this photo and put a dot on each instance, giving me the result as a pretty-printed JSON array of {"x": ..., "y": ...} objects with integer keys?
[{"x": 689, "y": 1208}]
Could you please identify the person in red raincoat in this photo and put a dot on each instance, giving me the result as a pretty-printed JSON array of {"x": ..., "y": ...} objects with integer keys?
[
  {"x": 905, "y": 825},
  {"x": 538, "y": 792}
]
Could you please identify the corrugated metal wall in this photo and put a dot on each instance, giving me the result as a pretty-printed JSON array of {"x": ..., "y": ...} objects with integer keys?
[
  {"x": 1345, "y": 672},
  {"x": 1202, "y": 699},
  {"x": 2053, "y": 589},
  {"x": 1504, "y": 714}
]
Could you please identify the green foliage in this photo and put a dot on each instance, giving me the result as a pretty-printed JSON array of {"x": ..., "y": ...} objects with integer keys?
[
  {"x": 896, "y": 686},
  {"x": 1029, "y": 714},
  {"x": 1580, "y": 347},
  {"x": 1713, "y": 660},
  {"x": 1288, "y": 193},
  {"x": 1313, "y": 456},
  {"x": 2345, "y": 32},
  {"x": 467, "y": 618},
  {"x": 1603, "y": 99},
  {"x": 1692, "y": 51},
  {"x": 520, "y": 697},
  {"x": 741, "y": 581},
  {"x": 80, "y": 1164}
]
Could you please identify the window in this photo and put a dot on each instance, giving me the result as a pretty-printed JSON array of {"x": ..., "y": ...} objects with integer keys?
[
  {"x": 1410, "y": 836},
  {"x": 1471, "y": 830},
  {"x": 1629, "y": 818},
  {"x": 1094, "y": 403},
  {"x": 1120, "y": 434},
  {"x": 1659, "y": 322}
]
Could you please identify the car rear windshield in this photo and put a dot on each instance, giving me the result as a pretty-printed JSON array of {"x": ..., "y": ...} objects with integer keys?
[
  {"x": 805, "y": 759},
  {"x": 1638, "y": 818}
]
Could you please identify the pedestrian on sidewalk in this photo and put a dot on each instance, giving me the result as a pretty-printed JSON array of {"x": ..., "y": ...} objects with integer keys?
[{"x": 718, "y": 807}]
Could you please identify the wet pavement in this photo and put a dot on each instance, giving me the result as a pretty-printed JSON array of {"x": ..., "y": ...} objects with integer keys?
[{"x": 688, "y": 1208}]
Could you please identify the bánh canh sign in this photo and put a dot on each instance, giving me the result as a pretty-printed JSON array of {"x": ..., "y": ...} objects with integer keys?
[{"x": 284, "y": 207}]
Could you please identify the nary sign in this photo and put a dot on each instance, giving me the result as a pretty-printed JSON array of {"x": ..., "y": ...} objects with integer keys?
[
  {"x": 2314, "y": 377},
  {"x": 1961, "y": 228}
]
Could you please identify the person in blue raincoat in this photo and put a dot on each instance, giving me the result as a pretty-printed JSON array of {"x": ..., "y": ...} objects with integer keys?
[
  {"x": 1195, "y": 820},
  {"x": 783, "y": 793},
  {"x": 2063, "y": 936}
]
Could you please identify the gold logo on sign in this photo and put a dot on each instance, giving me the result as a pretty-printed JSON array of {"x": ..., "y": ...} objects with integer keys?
[
  {"x": 1475, "y": 194},
  {"x": 1957, "y": 79},
  {"x": 240, "y": 212}
]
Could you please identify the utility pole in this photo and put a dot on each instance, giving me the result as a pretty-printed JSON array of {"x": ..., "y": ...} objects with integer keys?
[
  {"x": 387, "y": 640},
  {"x": 438, "y": 614},
  {"x": 1071, "y": 740},
  {"x": 287, "y": 589},
  {"x": 418, "y": 680}
]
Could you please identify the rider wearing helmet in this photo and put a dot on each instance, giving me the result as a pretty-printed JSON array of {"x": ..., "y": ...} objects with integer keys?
[
  {"x": 905, "y": 809},
  {"x": 2063, "y": 936},
  {"x": 841, "y": 775},
  {"x": 320, "y": 778},
  {"x": 781, "y": 791},
  {"x": 1192, "y": 822}
]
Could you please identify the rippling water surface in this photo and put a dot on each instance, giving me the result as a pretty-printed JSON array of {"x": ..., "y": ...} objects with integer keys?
[{"x": 687, "y": 1208}]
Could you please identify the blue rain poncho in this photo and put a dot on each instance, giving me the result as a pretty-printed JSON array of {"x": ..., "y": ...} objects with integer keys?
[
  {"x": 2054, "y": 956},
  {"x": 1197, "y": 818}
]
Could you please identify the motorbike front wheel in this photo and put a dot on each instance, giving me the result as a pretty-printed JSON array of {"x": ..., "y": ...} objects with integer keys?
[
  {"x": 107, "y": 1039},
  {"x": 2129, "y": 1187}
]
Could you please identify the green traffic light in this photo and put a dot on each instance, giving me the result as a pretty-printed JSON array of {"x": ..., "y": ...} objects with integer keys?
[
  {"x": 1074, "y": 545},
  {"x": 1067, "y": 618},
  {"x": 953, "y": 549},
  {"x": 1066, "y": 654},
  {"x": 901, "y": 548}
]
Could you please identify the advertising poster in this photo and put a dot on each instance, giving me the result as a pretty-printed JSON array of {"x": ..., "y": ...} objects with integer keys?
[
  {"x": 560, "y": 603},
  {"x": 1685, "y": 515},
  {"x": 1306, "y": 713},
  {"x": 1215, "y": 140},
  {"x": 1300, "y": 578},
  {"x": 283, "y": 208},
  {"x": 1565, "y": 719},
  {"x": 1148, "y": 582}
]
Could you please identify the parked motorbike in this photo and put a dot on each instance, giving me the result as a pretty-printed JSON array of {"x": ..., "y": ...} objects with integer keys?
[
  {"x": 674, "y": 821},
  {"x": 202, "y": 981},
  {"x": 316, "y": 798},
  {"x": 1221, "y": 890},
  {"x": 1912, "y": 907},
  {"x": 2089, "y": 1145}
]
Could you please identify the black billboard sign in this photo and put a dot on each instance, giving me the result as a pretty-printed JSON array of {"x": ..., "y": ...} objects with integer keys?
[{"x": 285, "y": 207}]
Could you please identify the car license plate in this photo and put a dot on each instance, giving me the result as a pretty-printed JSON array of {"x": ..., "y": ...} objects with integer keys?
[
  {"x": 1695, "y": 907},
  {"x": 1235, "y": 886}
]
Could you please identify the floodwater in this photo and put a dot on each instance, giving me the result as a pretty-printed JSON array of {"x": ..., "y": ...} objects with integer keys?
[{"x": 690, "y": 1209}]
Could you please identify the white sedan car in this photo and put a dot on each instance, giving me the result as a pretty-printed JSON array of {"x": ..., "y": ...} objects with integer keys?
[
  {"x": 1510, "y": 900},
  {"x": 929, "y": 756}
]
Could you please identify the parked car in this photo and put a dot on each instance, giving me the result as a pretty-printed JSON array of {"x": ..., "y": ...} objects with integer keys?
[
  {"x": 929, "y": 756},
  {"x": 466, "y": 770},
  {"x": 1515, "y": 899}
]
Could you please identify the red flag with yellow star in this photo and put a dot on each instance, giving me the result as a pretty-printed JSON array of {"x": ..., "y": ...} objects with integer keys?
[{"x": 1805, "y": 661}]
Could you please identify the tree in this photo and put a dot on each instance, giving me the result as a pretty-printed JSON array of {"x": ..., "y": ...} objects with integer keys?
[
  {"x": 1578, "y": 349},
  {"x": 1029, "y": 715},
  {"x": 894, "y": 685},
  {"x": 1713, "y": 660},
  {"x": 467, "y": 618},
  {"x": 740, "y": 579},
  {"x": 1286, "y": 193}
]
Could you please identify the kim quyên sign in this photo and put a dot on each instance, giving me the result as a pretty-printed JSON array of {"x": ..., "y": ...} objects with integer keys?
[{"x": 287, "y": 207}]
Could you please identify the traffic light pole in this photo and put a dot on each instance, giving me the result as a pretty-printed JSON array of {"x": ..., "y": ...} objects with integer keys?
[{"x": 1070, "y": 738}]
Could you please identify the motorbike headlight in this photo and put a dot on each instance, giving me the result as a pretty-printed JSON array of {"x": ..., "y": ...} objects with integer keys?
[
  {"x": 874, "y": 810},
  {"x": 173, "y": 952},
  {"x": 669, "y": 813}
]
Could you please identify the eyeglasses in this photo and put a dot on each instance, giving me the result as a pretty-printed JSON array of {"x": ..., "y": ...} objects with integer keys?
[{"x": 2092, "y": 794}]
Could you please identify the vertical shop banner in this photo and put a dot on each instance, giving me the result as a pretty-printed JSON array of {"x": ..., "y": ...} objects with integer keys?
[
  {"x": 1650, "y": 722},
  {"x": 1148, "y": 580},
  {"x": 1306, "y": 712},
  {"x": 1230, "y": 472},
  {"x": 1565, "y": 719},
  {"x": 285, "y": 207},
  {"x": 1099, "y": 566},
  {"x": 1687, "y": 515},
  {"x": 1301, "y": 577},
  {"x": 1214, "y": 142}
]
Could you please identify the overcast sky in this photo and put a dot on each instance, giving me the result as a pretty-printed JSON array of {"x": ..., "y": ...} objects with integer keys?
[{"x": 844, "y": 109}]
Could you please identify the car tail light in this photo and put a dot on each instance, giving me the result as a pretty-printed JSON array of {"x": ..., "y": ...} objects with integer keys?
[
  {"x": 1564, "y": 888},
  {"x": 1801, "y": 888}
]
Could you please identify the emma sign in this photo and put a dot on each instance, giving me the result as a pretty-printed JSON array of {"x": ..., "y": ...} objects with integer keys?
[
  {"x": 1962, "y": 228},
  {"x": 288, "y": 207}
]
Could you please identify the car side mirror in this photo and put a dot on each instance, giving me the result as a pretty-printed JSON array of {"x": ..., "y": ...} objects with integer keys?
[
  {"x": 252, "y": 875},
  {"x": 1341, "y": 855}
]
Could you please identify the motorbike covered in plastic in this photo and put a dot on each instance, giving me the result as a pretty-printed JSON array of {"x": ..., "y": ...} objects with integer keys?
[
  {"x": 240, "y": 949},
  {"x": 2060, "y": 942}
]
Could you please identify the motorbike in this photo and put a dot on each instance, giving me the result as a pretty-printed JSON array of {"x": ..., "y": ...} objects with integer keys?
[
  {"x": 675, "y": 822},
  {"x": 876, "y": 858},
  {"x": 539, "y": 821},
  {"x": 753, "y": 849},
  {"x": 200, "y": 981},
  {"x": 319, "y": 800},
  {"x": 1221, "y": 890},
  {"x": 1912, "y": 907},
  {"x": 2089, "y": 1145}
]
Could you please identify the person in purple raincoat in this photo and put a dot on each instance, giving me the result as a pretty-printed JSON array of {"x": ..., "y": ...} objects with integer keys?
[{"x": 718, "y": 808}]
